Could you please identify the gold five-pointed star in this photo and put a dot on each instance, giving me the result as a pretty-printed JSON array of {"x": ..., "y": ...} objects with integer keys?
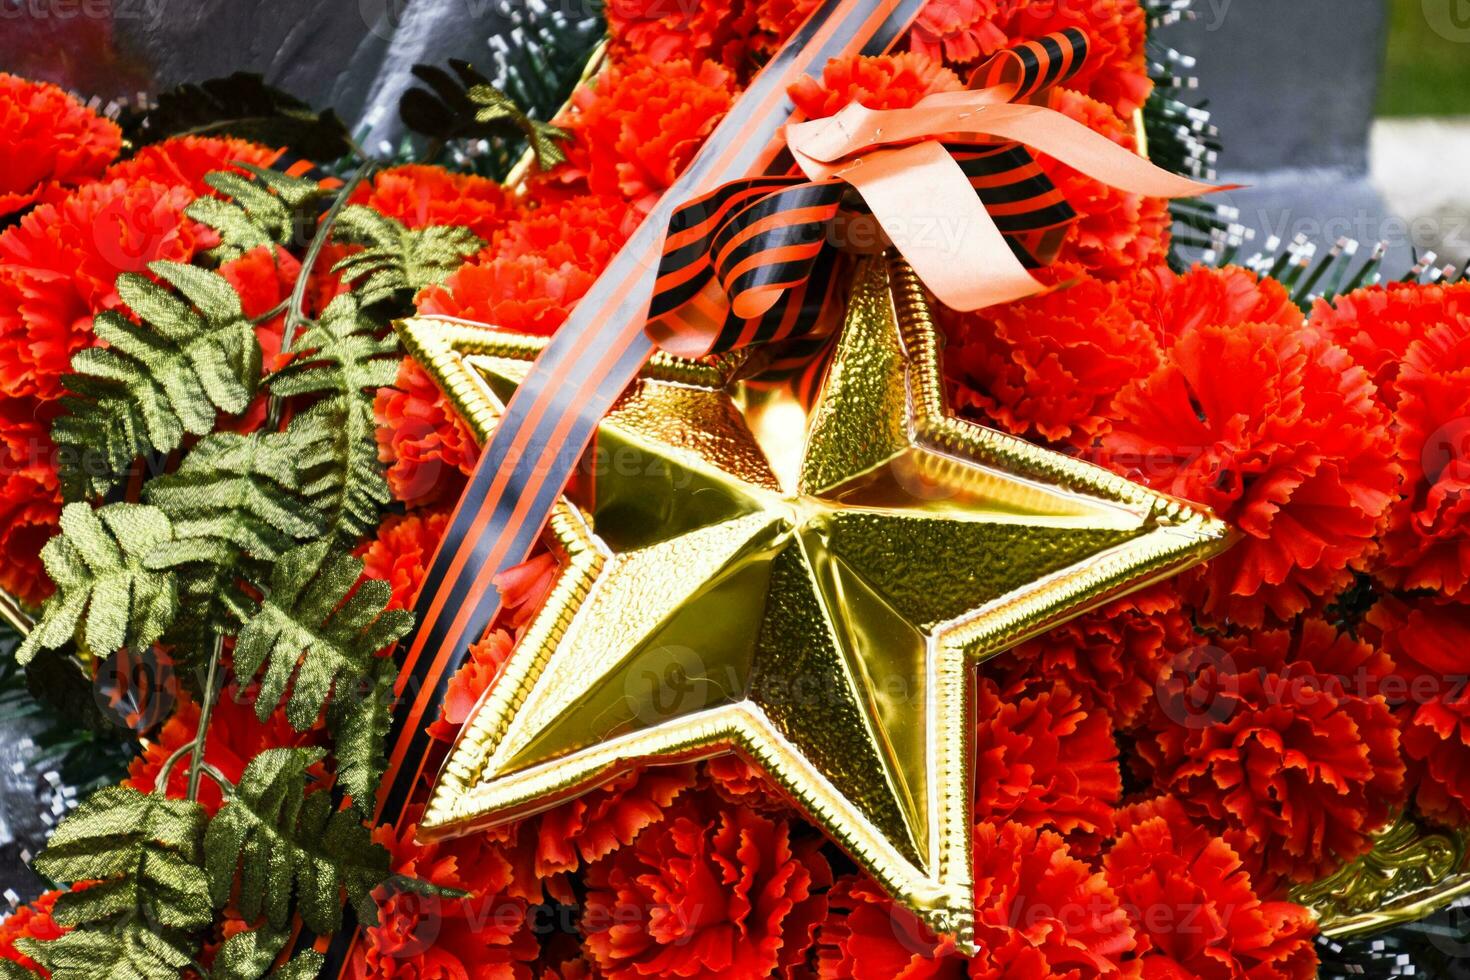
[{"x": 819, "y": 611}]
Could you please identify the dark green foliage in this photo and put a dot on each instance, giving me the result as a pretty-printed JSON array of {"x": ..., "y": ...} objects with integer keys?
[
  {"x": 465, "y": 105},
  {"x": 240, "y": 105},
  {"x": 106, "y": 597},
  {"x": 289, "y": 848},
  {"x": 540, "y": 59},
  {"x": 192, "y": 357},
  {"x": 263, "y": 207},
  {"x": 396, "y": 260},
  {"x": 145, "y": 855},
  {"x": 308, "y": 633}
]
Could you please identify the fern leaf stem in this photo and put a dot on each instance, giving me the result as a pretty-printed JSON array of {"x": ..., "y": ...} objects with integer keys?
[
  {"x": 596, "y": 61},
  {"x": 12, "y": 613},
  {"x": 294, "y": 314},
  {"x": 272, "y": 313},
  {"x": 196, "y": 761},
  {"x": 160, "y": 783}
]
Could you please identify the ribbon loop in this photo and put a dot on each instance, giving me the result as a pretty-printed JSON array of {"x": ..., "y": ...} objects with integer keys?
[
  {"x": 1026, "y": 69},
  {"x": 951, "y": 182}
]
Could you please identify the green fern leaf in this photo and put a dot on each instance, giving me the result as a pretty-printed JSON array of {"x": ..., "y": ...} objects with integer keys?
[
  {"x": 467, "y": 105},
  {"x": 396, "y": 259},
  {"x": 144, "y": 851},
  {"x": 158, "y": 380},
  {"x": 249, "y": 955},
  {"x": 307, "y": 632},
  {"x": 266, "y": 207},
  {"x": 106, "y": 595},
  {"x": 11, "y": 970},
  {"x": 244, "y": 106},
  {"x": 338, "y": 452},
  {"x": 496, "y": 109},
  {"x": 305, "y": 965},
  {"x": 243, "y": 489},
  {"x": 133, "y": 950},
  {"x": 358, "y": 721},
  {"x": 346, "y": 353},
  {"x": 279, "y": 841},
  {"x": 237, "y": 503},
  {"x": 346, "y": 356}
]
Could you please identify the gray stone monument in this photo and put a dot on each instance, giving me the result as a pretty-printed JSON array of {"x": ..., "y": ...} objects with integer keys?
[{"x": 1291, "y": 85}]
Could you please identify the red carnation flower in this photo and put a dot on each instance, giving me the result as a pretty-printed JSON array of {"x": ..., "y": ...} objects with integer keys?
[
  {"x": 1047, "y": 367},
  {"x": 536, "y": 268},
  {"x": 1174, "y": 303},
  {"x": 401, "y": 552},
  {"x": 581, "y": 230},
  {"x": 1428, "y": 540},
  {"x": 487, "y": 933},
  {"x": 1041, "y": 912},
  {"x": 890, "y": 81},
  {"x": 49, "y": 141},
  {"x": 743, "y": 784},
  {"x": 777, "y": 20},
  {"x": 1282, "y": 742},
  {"x": 710, "y": 891},
  {"x": 1377, "y": 324},
  {"x": 957, "y": 31},
  {"x": 182, "y": 161},
  {"x": 1115, "y": 232},
  {"x": 1044, "y": 760},
  {"x": 59, "y": 266},
  {"x": 429, "y": 451},
  {"x": 638, "y": 126},
  {"x": 1428, "y": 643},
  {"x": 30, "y": 496},
  {"x": 1114, "y": 656},
  {"x": 664, "y": 32},
  {"x": 1192, "y": 905},
  {"x": 1278, "y": 431},
  {"x": 870, "y": 937},
  {"x": 235, "y": 737},
  {"x": 419, "y": 195},
  {"x": 1115, "y": 71},
  {"x": 526, "y": 295},
  {"x": 596, "y": 824},
  {"x": 35, "y": 922},
  {"x": 469, "y": 682}
]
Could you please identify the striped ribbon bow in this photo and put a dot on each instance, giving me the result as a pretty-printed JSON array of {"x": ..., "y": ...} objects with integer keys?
[{"x": 950, "y": 182}]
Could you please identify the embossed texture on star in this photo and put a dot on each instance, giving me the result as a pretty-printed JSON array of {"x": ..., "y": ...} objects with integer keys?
[{"x": 818, "y": 610}]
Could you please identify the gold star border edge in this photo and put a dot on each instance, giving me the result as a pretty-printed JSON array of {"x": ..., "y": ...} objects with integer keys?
[
  {"x": 449, "y": 348},
  {"x": 1183, "y": 534}
]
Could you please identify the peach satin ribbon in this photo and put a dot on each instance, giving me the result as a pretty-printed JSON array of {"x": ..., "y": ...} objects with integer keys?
[{"x": 923, "y": 200}]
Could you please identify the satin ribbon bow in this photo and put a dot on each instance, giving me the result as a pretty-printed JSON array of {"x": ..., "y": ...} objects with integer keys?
[{"x": 949, "y": 181}]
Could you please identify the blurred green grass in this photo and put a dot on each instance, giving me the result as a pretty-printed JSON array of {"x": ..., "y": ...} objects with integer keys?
[{"x": 1426, "y": 73}]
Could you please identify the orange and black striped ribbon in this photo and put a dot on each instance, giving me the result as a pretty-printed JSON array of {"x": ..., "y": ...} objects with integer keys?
[
  {"x": 1032, "y": 67},
  {"x": 756, "y": 237},
  {"x": 554, "y": 413}
]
